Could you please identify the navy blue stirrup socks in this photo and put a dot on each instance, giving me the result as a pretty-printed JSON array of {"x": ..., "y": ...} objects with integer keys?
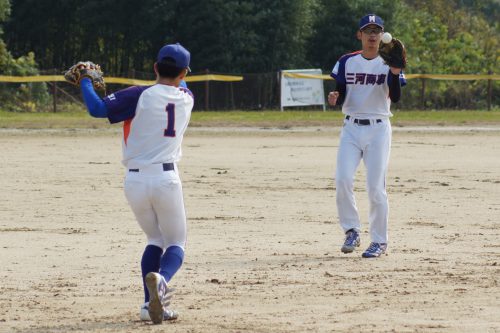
[
  {"x": 171, "y": 261},
  {"x": 150, "y": 263}
]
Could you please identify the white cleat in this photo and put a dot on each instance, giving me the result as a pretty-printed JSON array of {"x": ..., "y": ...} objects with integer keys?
[
  {"x": 158, "y": 298},
  {"x": 167, "y": 314}
]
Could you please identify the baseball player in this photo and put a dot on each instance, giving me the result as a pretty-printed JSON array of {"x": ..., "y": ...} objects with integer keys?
[
  {"x": 365, "y": 87},
  {"x": 154, "y": 121}
]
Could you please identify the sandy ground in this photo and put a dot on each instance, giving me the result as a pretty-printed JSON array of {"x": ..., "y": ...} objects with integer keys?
[{"x": 263, "y": 250}]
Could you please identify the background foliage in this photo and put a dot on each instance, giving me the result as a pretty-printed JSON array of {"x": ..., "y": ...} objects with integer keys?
[
  {"x": 246, "y": 36},
  {"x": 19, "y": 96}
]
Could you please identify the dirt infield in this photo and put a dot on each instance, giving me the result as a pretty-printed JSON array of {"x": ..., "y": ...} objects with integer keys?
[{"x": 263, "y": 243}]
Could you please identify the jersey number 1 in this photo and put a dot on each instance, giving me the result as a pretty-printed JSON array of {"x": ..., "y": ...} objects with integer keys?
[{"x": 170, "y": 130}]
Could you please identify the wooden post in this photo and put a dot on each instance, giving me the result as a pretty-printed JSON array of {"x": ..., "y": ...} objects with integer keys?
[
  {"x": 422, "y": 94},
  {"x": 490, "y": 91},
  {"x": 207, "y": 91}
]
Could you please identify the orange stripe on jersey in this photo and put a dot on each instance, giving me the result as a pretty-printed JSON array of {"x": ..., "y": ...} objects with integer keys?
[
  {"x": 355, "y": 52},
  {"x": 126, "y": 129}
]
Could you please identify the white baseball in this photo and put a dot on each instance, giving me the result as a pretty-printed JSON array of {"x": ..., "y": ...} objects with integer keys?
[{"x": 386, "y": 38}]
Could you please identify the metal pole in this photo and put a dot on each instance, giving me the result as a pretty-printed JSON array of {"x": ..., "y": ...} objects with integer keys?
[{"x": 207, "y": 91}]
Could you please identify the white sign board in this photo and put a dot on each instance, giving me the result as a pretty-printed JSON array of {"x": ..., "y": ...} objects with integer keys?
[{"x": 301, "y": 91}]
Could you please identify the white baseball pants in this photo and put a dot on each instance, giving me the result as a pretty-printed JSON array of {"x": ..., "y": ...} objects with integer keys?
[
  {"x": 372, "y": 143},
  {"x": 156, "y": 199}
]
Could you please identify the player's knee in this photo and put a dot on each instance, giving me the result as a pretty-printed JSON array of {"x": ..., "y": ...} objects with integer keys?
[
  {"x": 343, "y": 182},
  {"x": 344, "y": 189},
  {"x": 156, "y": 242},
  {"x": 377, "y": 196},
  {"x": 176, "y": 237}
]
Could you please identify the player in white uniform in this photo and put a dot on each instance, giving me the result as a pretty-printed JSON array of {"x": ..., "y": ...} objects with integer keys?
[
  {"x": 154, "y": 121},
  {"x": 365, "y": 86}
]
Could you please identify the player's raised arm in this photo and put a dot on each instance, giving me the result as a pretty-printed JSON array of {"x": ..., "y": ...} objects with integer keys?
[
  {"x": 394, "y": 87},
  {"x": 393, "y": 52},
  {"x": 95, "y": 105}
]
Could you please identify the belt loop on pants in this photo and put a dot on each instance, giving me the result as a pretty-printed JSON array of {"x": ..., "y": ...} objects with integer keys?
[
  {"x": 166, "y": 167},
  {"x": 363, "y": 122}
]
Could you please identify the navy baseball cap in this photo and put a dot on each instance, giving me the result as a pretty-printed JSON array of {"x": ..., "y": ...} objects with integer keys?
[
  {"x": 371, "y": 19},
  {"x": 178, "y": 53}
]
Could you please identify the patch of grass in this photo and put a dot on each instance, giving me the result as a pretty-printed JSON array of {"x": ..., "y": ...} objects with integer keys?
[
  {"x": 77, "y": 117},
  {"x": 266, "y": 118},
  {"x": 334, "y": 117},
  {"x": 446, "y": 118}
]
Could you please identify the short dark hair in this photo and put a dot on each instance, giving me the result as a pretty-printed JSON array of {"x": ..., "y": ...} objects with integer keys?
[{"x": 166, "y": 68}]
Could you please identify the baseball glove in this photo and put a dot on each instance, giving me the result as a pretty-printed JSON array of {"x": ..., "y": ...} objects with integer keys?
[
  {"x": 393, "y": 53},
  {"x": 85, "y": 69}
]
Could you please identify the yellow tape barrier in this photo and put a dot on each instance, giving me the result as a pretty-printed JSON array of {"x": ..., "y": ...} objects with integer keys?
[
  {"x": 38, "y": 78},
  {"x": 232, "y": 78},
  {"x": 121, "y": 80},
  {"x": 462, "y": 77},
  {"x": 408, "y": 76},
  {"x": 213, "y": 77}
]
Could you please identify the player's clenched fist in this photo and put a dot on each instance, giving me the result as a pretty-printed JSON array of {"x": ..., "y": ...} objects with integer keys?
[{"x": 332, "y": 97}]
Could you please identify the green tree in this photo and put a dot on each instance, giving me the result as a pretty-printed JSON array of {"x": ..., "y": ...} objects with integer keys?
[
  {"x": 334, "y": 31},
  {"x": 131, "y": 39},
  {"x": 4, "y": 54},
  {"x": 285, "y": 27},
  {"x": 19, "y": 97},
  {"x": 119, "y": 35},
  {"x": 243, "y": 35},
  {"x": 446, "y": 37},
  {"x": 246, "y": 36},
  {"x": 207, "y": 32}
]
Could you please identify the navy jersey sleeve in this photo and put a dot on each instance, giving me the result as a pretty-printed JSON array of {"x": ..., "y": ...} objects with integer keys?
[
  {"x": 121, "y": 105},
  {"x": 395, "y": 83},
  {"x": 342, "y": 89},
  {"x": 394, "y": 87},
  {"x": 186, "y": 90},
  {"x": 338, "y": 71},
  {"x": 401, "y": 77}
]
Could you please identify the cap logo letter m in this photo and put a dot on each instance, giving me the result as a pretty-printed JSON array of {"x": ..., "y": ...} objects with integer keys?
[{"x": 371, "y": 18}]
